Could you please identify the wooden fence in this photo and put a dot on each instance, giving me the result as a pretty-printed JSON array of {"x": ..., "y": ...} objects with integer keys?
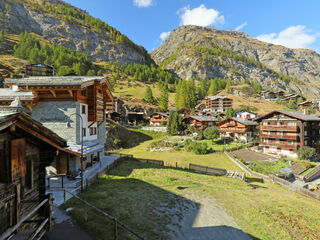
[
  {"x": 207, "y": 170},
  {"x": 275, "y": 179}
]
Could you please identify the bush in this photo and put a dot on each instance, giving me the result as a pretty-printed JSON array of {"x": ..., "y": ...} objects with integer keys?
[
  {"x": 196, "y": 147},
  {"x": 117, "y": 142},
  {"x": 305, "y": 152}
]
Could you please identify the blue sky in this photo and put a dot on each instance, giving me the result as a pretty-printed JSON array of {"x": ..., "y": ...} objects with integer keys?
[{"x": 292, "y": 23}]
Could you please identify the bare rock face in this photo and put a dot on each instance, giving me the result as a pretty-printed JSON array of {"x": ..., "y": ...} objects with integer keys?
[
  {"x": 179, "y": 54},
  {"x": 99, "y": 46}
]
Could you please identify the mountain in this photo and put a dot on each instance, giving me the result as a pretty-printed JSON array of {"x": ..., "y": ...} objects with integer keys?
[
  {"x": 60, "y": 23},
  {"x": 204, "y": 52}
]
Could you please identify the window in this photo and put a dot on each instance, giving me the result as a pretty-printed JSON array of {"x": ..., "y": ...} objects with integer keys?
[
  {"x": 84, "y": 132},
  {"x": 84, "y": 93},
  {"x": 305, "y": 142},
  {"x": 305, "y": 133},
  {"x": 292, "y": 124},
  {"x": 93, "y": 131},
  {"x": 83, "y": 109}
]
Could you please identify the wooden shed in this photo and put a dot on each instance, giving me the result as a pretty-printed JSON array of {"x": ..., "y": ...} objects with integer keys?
[{"x": 26, "y": 148}]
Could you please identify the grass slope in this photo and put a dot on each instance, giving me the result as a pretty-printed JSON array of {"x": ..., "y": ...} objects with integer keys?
[{"x": 148, "y": 198}]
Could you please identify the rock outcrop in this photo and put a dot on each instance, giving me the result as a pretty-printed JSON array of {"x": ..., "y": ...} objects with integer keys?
[
  {"x": 17, "y": 16},
  {"x": 235, "y": 55}
]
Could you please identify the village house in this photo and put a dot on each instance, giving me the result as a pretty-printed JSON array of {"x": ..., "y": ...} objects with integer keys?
[
  {"x": 218, "y": 103},
  {"x": 267, "y": 95},
  {"x": 292, "y": 97},
  {"x": 237, "y": 128},
  {"x": 158, "y": 119},
  {"x": 200, "y": 122},
  {"x": 283, "y": 132},
  {"x": 305, "y": 104},
  {"x": 246, "y": 115},
  {"x": 39, "y": 69},
  {"x": 72, "y": 107},
  {"x": 26, "y": 148}
]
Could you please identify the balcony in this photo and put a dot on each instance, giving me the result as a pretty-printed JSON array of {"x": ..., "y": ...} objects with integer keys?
[
  {"x": 279, "y": 128},
  {"x": 280, "y": 145},
  {"x": 234, "y": 130},
  {"x": 278, "y": 136}
]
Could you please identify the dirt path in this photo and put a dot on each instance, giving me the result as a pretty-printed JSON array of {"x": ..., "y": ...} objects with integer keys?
[{"x": 205, "y": 219}]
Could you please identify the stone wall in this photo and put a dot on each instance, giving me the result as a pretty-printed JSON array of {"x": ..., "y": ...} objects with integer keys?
[{"x": 56, "y": 115}]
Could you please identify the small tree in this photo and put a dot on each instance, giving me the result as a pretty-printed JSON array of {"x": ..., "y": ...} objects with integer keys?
[
  {"x": 230, "y": 113},
  {"x": 163, "y": 100},
  {"x": 211, "y": 133},
  {"x": 300, "y": 100},
  {"x": 305, "y": 152},
  {"x": 174, "y": 123},
  {"x": 292, "y": 105},
  {"x": 148, "y": 96}
]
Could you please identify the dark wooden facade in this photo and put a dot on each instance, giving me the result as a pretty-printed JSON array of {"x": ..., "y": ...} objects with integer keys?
[
  {"x": 218, "y": 103},
  {"x": 284, "y": 132},
  {"x": 26, "y": 148},
  {"x": 237, "y": 127},
  {"x": 158, "y": 119},
  {"x": 39, "y": 70},
  {"x": 200, "y": 122}
]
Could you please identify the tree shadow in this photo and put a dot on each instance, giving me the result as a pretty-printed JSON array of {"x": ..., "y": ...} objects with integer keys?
[{"x": 153, "y": 211}]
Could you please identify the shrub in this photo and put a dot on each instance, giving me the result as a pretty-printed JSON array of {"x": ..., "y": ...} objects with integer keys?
[
  {"x": 305, "y": 152},
  {"x": 196, "y": 147},
  {"x": 117, "y": 142}
]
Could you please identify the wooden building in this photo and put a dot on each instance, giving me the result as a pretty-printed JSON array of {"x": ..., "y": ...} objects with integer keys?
[
  {"x": 39, "y": 69},
  {"x": 74, "y": 108},
  {"x": 305, "y": 104},
  {"x": 283, "y": 132},
  {"x": 218, "y": 103},
  {"x": 200, "y": 122},
  {"x": 26, "y": 148},
  {"x": 238, "y": 128},
  {"x": 158, "y": 119}
]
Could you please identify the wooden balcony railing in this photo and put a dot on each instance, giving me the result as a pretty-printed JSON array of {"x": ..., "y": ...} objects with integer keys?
[
  {"x": 279, "y": 127},
  {"x": 280, "y": 145},
  {"x": 278, "y": 136},
  {"x": 234, "y": 130}
]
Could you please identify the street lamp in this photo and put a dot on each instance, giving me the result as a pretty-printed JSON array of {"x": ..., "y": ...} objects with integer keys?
[{"x": 81, "y": 158}]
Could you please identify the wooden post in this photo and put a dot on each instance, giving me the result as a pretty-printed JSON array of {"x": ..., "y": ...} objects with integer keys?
[
  {"x": 115, "y": 230},
  {"x": 64, "y": 195},
  {"x": 85, "y": 213},
  {"x": 176, "y": 164}
]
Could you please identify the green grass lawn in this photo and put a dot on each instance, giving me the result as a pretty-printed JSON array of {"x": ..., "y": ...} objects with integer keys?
[
  {"x": 147, "y": 198},
  {"x": 182, "y": 158},
  {"x": 217, "y": 146}
]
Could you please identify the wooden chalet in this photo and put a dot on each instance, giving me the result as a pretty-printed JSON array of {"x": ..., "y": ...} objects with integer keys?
[
  {"x": 158, "y": 119},
  {"x": 292, "y": 97},
  {"x": 283, "y": 132},
  {"x": 26, "y": 148},
  {"x": 237, "y": 128},
  {"x": 200, "y": 122},
  {"x": 305, "y": 104},
  {"x": 56, "y": 100},
  {"x": 39, "y": 69}
]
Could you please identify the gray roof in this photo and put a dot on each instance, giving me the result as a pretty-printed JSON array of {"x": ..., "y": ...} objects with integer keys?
[
  {"x": 203, "y": 118},
  {"x": 9, "y": 94},
  {"x": 294, "y": 114},
  {"x": 217, "y": 97},
  {"x": 45, "y": 81},
  {"x": 244, "y": 121}
]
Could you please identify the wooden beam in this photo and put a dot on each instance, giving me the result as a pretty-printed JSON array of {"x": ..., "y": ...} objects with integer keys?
[
  {"x": 29, "y": 106},
  {"x": 53, "y": 93},
  {"x": 71, "y": 92}
]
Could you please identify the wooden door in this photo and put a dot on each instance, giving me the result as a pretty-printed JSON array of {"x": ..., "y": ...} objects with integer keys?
[
  {"x": 62, "y": 164},
  {"x": 18, "y": 153}
]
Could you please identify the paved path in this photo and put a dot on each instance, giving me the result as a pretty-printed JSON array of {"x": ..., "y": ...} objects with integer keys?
[
  {"x": 65, "y": 228},
  {"x": 74, "y": 185},
  {"x": 205, "y": 219}
]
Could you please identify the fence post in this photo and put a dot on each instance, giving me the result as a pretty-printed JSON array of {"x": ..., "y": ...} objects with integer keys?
[
  {"x": 48, "y": 182},
  {"x": 62, "y": 181},
  {"x": 115, "y": 230},
  {"x": 176, "y": 164},
  {"x": 85, "y": 213},
  {"x": 64, "y": 195}
]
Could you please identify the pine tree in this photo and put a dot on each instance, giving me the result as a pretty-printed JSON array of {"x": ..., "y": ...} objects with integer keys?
[
  {"x": 202, "y": 92},
  {"x": 163, "y": 100},
  {"x": 230, "y": 113},
  {"x": 174, "y": 123},
  {"x": 148, "y": 97}
]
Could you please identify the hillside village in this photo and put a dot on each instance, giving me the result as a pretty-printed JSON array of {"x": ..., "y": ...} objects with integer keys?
[{"x": 197, "y": 140}]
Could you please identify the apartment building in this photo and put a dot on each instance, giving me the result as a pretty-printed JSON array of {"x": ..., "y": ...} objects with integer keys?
[
  {"x": 218, "y": 103},
  {"x": 283, "y": 132}
]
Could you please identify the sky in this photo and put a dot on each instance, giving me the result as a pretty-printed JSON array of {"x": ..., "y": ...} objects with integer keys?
[{"x": 291, "y": 23}]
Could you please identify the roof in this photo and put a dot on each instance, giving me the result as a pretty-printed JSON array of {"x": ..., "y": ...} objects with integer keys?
[
  {"x": 240, "y": 120},
  {"x": 160, "y": 113},
  {"x": 245, "y": 111},
  {"x": 304, "y": 102},
  {"x": 217, "y": 97},
  {"x": 52, "y": 80},
  {"x": 203, "y": 118},
  {"x": 294, "y": 114},
  {"x": 9, "y": 94}
]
